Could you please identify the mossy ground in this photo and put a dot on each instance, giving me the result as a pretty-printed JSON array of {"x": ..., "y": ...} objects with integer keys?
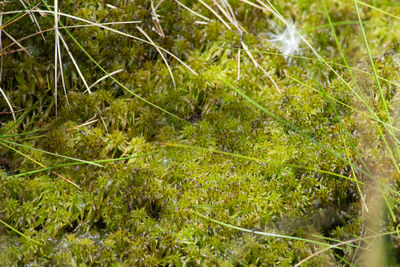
[{"x": 144, "y": 210}]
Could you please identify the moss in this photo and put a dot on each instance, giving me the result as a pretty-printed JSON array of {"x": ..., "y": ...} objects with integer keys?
[{"x": 139, "y": 210}]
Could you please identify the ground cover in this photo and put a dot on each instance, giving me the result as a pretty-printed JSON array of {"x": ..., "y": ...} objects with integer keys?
[{"x": 199, "y": 133}]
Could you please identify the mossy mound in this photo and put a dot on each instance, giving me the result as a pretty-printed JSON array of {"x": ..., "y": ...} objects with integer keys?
[{"x": 177, "y": 153}]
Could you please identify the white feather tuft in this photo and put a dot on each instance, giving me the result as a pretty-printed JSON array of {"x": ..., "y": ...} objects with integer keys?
[{"x": 287, "y": 41}]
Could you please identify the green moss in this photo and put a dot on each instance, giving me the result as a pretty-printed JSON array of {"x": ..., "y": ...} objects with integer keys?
[{"x": 138, "y": 211}]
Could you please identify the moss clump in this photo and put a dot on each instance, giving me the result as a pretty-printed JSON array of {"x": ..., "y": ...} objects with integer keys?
[{"x": 294, "y": 173}]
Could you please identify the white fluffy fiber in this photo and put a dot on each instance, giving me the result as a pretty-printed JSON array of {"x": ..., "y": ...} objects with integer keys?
[{"x": 288, "y": 41}]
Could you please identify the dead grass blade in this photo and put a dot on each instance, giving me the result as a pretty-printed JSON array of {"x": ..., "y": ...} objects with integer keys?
[
  {"x": 90, "y": 121},
  {"x": 238, "y": 61},
  {"x": 123, "y": 34},
  {"x": 160, "y": 52},
  {"x": 216, "y": 14},
  {"x": 104, "y": 77},
  {"x": 17, "y": 43},
  {"x": 155, "y": 16},
  {"x": 258, "y": 66},
  {"x": 9, "y": 104},
  {"x": 192, "y": 11},
  {"x": 65, "y": 27},
  {"x": 62, "y": 76},
  {"x": 32, "y": 16},
  {"x": 56, "y": 50},
  {"x": 1, "y": 49},
  {"x": 75, "y": 64},
  {"x": 42, "y": 165}
]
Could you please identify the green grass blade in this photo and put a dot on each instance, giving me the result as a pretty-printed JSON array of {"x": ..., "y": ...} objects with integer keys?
[
  {"x": 371, "y": 115},
  {"x": 378, "y": 9},
  {"x": 347, "y": 242},
  {"x": 389, "y": 206},
  {"x": 382, "y": 97},
  {"x": 83, "y": 163},
  {"x": 285, "y": 123},
  {"x": 21, "y": 234},
  {"x": 258, "y": 160},
  {"x": 50, "y": 153},
  {"x": 288, "y": 125},
  {"x": 211, "y": 150},
  {"x": 315, "y": 60},
  {"x": 261, "y": 233},
  {"x": 365, "y": 102},
  {"x": 19, "y": 120}
]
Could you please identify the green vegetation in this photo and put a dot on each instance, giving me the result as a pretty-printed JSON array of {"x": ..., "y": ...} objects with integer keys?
[{"x": 200, "y": 133}]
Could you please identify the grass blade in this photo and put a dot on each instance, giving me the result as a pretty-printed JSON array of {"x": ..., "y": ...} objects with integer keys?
[
  {"x": 21, "y": 234},
  {"x": 50, "y": 153},
  {"x": 262, "y": 233}
]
